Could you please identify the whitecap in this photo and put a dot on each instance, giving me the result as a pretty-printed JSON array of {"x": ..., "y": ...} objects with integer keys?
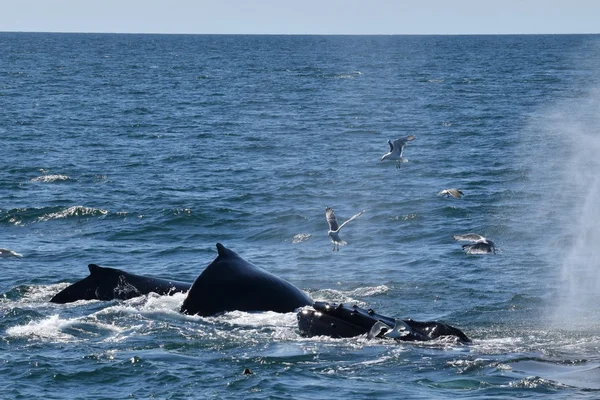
[
  {"x": 369, "y": 291},
  {"x": 49, "y": 328},
  {"x": 349, "y": 75},
  {"x": 74, "y": 211},
  {"x": 260, "y": 319},
  {"x": 349, "y": 296},
  {"x": 39, "y": 294},
  {"x": 301, "y": 237},
  {"x": 55, "y": 329},
  {"x": 50, "y": 178}
]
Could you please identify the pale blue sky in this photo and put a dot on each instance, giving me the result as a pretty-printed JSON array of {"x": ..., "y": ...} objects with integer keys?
[{"x": 302, "y": 16}]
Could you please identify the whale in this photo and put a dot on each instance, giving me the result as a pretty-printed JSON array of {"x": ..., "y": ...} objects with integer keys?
[
  {"x": 342, "y": 321},
  {"x": 230, "y": 283},
  {"x": 105, "y": 283}
]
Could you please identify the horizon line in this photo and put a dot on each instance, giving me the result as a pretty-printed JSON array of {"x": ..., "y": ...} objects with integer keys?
[{"x": 302, "y": 34}]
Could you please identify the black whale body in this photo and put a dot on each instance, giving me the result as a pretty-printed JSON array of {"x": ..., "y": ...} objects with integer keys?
[
  {"x": 231, "y": 283},
  {"x": 340, "y": 321},
  {"x": 110, "y": 283},
  {"x": 228, "y": 283}
]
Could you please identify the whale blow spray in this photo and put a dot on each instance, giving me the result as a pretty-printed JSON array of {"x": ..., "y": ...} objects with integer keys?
[{"x": 575, "y": 198}]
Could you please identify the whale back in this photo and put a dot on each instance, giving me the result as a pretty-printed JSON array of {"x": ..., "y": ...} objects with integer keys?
[
  {"x": 109, "y": 283},
  {"x": 231, "y": 283}
]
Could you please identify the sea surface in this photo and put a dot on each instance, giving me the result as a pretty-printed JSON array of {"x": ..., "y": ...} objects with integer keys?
[{"x": 141, "y": 152}]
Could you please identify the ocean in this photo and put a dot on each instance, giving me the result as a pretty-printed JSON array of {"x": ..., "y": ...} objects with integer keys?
[{"x": 141, "y": 152}]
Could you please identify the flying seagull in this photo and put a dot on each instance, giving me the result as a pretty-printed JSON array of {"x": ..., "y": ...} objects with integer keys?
[
  {"x": 480, "y": 244},
  {"x": 9, "y": 253},
  {"x": 334, "y": 229},
  {"x": 396, "y": 148},
  {"x": 451, "y": 193}
]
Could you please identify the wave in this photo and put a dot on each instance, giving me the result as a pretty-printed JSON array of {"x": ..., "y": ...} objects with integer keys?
[
  {"x": 57, "y": 329},
  {"x": 75, "y": 211},
  {"x": 301, "y": 237},
  {"x": 24, "y": 216},
  {"x": 50, "y": 178},
  {"x": 349, "y": 296},
  {"x": 27, "y": 295}
]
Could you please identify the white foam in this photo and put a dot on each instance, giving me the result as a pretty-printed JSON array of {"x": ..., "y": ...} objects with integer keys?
[
  {"x": 50, "y": 178},
  {"x": 301, "y": 237},
  {"x": 53, "y": 329},
  {"x": 48, "y": 328},
  {"x": 79, "y": 211},
  {"x": 349, "y": 296},
  {"x": 369, "y": 291}
]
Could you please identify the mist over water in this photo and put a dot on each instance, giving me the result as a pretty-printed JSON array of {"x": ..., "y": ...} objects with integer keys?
[
  {"x": 580, "y": 264},
  {"x": 567, "y": 172}
]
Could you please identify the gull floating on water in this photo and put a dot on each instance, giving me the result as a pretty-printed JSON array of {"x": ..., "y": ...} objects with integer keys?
[
  {"x": 334, "y": 228},
  {"x": 480, "y": 244},
  {"x": 9, "y": 253},
  {"x": 451, "y": 192},
  {"x": 396, "y": 148}
]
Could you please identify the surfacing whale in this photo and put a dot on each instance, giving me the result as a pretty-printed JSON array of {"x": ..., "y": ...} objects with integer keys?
[
  {"x": 231, "y": 283},
  {"x": 341, "y": 321},
  {"x": 110, "y": 284},
  {"x": 228, "y": 283}
]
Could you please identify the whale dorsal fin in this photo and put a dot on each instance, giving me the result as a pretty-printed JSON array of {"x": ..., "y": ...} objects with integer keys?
[
  {"x": 221, "y": 249},
  {"x": 94, "y": 268}
]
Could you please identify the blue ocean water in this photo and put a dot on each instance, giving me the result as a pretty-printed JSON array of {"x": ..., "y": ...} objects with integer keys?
[{"x": 141, "y": 152}]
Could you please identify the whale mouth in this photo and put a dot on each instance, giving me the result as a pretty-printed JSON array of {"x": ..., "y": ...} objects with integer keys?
[{"x": 341, "y": 321}]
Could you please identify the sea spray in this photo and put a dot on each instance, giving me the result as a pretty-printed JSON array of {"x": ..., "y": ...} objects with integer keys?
[{"x": 568, "y": 178}]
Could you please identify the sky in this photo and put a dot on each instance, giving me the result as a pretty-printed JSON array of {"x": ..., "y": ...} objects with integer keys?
[{"x": 302, "y": 16}]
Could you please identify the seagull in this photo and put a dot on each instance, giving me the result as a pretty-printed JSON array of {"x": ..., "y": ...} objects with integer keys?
[
  {"x": 399, "y": 330},
  {"x": 480, "y": 244},
  {"x": 451, "y": 192},
  {"x": 396, "y": 148},
  {"x": 9, "y": 253},
  {"x": 334, "y": 229}
]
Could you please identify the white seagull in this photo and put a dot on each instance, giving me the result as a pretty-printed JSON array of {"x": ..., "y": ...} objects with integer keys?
[
  {"x": 451, "y": 192},
  {"x": 396, "y": 148},
  {"x": 9, "y": 253},
  {"x": 480, "y": 244},
  {"x": 334, "y": 229}
]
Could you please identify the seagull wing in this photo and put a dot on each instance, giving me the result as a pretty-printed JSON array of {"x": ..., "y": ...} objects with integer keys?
[
  {"x": 470, "y": 237},
  {"x": 330, "y": 216},
  {"x": 400, "y": 330},
  {"x": 451, "y": 192},
  {"x": 401, "y": 142},
  {"x": 391, "y": 145},
  {"x": 354, "y": 216},
  {"x": 8, "y": 253}
]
